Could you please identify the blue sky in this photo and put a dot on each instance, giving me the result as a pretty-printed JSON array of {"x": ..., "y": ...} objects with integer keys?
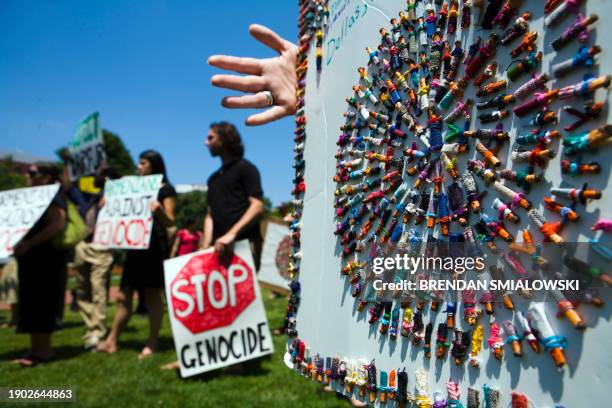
[{"x": 142, "y": 65}]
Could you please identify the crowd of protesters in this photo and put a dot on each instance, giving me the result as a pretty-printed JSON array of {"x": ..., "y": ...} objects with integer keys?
[{"x": 34, "y": 281}]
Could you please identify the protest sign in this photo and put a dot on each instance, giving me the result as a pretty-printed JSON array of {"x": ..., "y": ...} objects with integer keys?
[
  {"x": 276, "y": 256},
  {"x": 19, "y": 211},
  {"x": 125, "y": 221},
  {"x": 87, "y": 147},
  {"x": 216, "y": 311}
]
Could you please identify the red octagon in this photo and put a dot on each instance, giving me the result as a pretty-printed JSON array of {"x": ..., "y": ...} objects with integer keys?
[{"x": 206, "y": 295}]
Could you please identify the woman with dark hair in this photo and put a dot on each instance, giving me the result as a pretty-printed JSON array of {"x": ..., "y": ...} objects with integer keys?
[
  {"x": 187, "y": 239},
  {"x": 145, "y": 269},
  {"x": 41, "y": 267}
]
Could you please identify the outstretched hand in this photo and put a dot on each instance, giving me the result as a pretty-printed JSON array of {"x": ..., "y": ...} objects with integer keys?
[{"x": 276, "y": 75}]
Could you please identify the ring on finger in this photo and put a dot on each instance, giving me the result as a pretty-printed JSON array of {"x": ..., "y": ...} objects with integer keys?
[{"x": 269, "y": 98}]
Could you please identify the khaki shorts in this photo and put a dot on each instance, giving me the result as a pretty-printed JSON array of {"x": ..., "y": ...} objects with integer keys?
[{"x": 9, "y": 283}]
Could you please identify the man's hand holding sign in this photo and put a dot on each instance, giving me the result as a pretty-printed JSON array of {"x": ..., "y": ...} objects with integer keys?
[{"x": 216, "y": 311}]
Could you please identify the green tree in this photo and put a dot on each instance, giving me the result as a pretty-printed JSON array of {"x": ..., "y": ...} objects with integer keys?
[
  {"x": 117, "y": 155},
  {"x": 9, "y": 179},
  {"x": 188, "y": 205}
]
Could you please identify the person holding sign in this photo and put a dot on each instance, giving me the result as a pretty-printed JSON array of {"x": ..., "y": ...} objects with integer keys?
[
  {"x": 234, "y": 194},
  {"x": 143, "y": 269},
  {"x": 40, "y": 268},
  {"x": 234, "y": 198}
]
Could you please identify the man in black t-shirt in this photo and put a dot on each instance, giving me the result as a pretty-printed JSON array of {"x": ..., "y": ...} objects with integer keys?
[{"x": 234, "y": 194}]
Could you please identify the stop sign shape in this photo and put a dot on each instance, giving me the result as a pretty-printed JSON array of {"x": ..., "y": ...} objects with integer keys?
[{"x": 206, "y": 295}]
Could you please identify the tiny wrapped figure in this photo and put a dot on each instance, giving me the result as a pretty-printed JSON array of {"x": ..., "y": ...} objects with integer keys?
[
  {"x": 498, "y": 102},
  {"x": 491, "y": 88},
  {"x": 587, "y": 141},
  {"x": 520, "y": 27},
  {"x": 466, "y": 14},
  {"x": 461, "y": 344},
  {"x": 538, "y": 81},
  {"x": 493, "y": 7},
  {"x": 413, "y": 47},
  {"x": 567, "y": 213},
  {"x": 524, "y": 178},
  {"x": 472, "y": 51},
  {"x": 538, "y": 101},
  {"x": 477, "y": 338},
  {"x": 576, "y": 167},
  {"x": 566, "y": 309},
  {"x": 493, "y": 116},
  {"x": 453, "y": 16},
  {"x": 509, "y": 9},
  {"x": 484, "y": 53},
  {"x": 442, "y": 342},
  {"x": 555, "y": 344},
  {"x": 550, "y": 230},
  {"x": 442, "y": 17},
  {"x": 525, "y": 65},
  {"x": 581, "y": 195},
  {"x": 556, "y": 11},
  {"x": 526, "y": 45},
  {"x": 487, "y": 74},
  {"x": 537, "y": 156},
  {"x": 591, "y": 111},
  {"x": 461, "y": 109},
  {"x": 512, "y": 338},
  {"x": 527, "y": 332},
  {"x": 543, "y": 118},
  {"x": 577, "y": 30},
  {"x": 470, "y": 312},
  {"x": 495, "y": 341},
  {"x": 584, "y": 57}
]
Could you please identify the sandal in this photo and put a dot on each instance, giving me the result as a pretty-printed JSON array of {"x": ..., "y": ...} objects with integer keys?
[{"x": 31, "y": 360}]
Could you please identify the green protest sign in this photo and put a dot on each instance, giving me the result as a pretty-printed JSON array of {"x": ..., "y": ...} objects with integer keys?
[{"x": 87, "y": 147}]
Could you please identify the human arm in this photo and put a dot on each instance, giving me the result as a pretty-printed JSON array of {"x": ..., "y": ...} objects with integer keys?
[
  {"x": 208, "y": 230},
  {"x": 55, "y": 220},
  {"x": 175, "y": 244},
  {"x": 255, "y": 209},
  {"x": 164, "y": 209},
  {"x": 276, "y": 75}
]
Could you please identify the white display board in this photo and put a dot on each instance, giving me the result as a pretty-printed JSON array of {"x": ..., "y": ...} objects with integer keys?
[
  {"x": 216, "y": 311},
  {"x": 125, "y": 221},
  {"x": 19, "y": 210},
  {"x": 327, "y": 319},
  {"x": 275, "y": 256}
]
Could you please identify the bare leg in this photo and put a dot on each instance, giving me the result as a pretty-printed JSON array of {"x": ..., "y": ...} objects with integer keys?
[
  {"x": 40, "y": 350},
  {"x": 122, "y": 316},
  {"x": 153, "y": 298}
]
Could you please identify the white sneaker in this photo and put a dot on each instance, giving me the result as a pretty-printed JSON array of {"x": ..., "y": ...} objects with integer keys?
[{"x": 91, "y": 342}]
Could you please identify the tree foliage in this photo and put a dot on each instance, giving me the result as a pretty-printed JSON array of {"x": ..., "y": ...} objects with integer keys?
[
  {"x": 188, "y": 205},
  {"x": 9, "y": 179},
  {"x": 117, "y": 155}
]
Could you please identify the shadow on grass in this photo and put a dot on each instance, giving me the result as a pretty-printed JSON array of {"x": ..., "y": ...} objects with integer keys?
[
  {"x": 252, "y": 368},
  {"x": 59, "y": 353},
  {"x": 163, "y": 344}
]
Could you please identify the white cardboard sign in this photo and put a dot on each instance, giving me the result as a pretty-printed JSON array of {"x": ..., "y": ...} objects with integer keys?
[
  {"x": 19, "y": 210},
  {"x": 275, "y": 256},
  {"x": 216, "y": 312},
  {"x": 125, "y": 221}
]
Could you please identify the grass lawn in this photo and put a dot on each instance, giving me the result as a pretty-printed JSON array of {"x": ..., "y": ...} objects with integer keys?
[{"x": 122, "y": 380}]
